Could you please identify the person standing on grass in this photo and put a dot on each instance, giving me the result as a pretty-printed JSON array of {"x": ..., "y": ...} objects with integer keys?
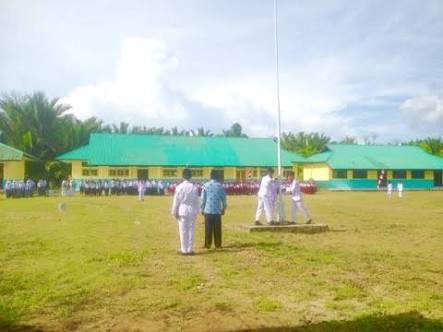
[
  {"x": 297, "y": 199},
  {"x": 213, "y": 206},
  {"x": 266, "y": 197},
  {"x": 141, "y": 190},
  {"x": 389, "y": 189},
  {"x": 400, "y": 189},
  {"x": 185, "y": 210}
]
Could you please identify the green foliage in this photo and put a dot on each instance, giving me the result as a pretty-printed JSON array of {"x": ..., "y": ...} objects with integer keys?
[
  {"x": 303, "y": 143},
  {"x": 432, "y": 145},
  {"x": 41, "y": 127},
  {"x": 234, "y": 131}
]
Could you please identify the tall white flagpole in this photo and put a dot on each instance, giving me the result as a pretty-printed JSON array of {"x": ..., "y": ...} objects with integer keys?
[
  {"x": 277, "y": 86},
  {"x": 280, "y": 206}
]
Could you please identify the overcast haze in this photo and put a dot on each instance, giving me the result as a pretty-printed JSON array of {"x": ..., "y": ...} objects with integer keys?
[{"x": 356, "y": 68}]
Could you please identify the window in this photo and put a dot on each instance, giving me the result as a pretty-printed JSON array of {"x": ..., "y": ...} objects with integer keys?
[
  {"x": 263, "y": 171},
  {"x": 399, "y": 174},
  {"x": 197, "y": 172},
  {"x": 123, "y": 172},
  {"x": 360, "y": 174},
  {"x": 89, "y": 172},
  {"x": 286, "y": 171},
  {"x": 418, "y": 174},
  {"x": 340, "y": 173},
  {"x": 84, "y": 164},
  {"x": 119, "y": 172},
  {"x": 169, "y": 172},
  {"x": 220, "y": 171}
]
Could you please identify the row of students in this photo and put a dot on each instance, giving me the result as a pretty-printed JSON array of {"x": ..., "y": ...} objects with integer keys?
[
  {"x": 20, "y": 188},
  {"x": 121, "y": 187}
]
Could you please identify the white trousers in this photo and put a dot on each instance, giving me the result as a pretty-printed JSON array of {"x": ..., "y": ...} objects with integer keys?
[
  {"x": 265, "y": 204},
  {"x": 186, "y": 230},
  {"x": 298, "y": 205},
  {"x": 141, "y": 195},
  {"x": 400, "y": 193}
]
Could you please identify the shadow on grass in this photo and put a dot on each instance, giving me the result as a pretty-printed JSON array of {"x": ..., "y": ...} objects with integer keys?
[
  {"x": 237, "y": 247},
  {"x": 408, "y": 321},
  {"x": 7, "y": 326}
]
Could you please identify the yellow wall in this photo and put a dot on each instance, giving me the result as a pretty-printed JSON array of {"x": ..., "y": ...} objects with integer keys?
[
  {"x": 317, "y": 171},
  {"x": 429, "y": 175},
  {"x": 14, "y": 170},
  {"x": 372, "y": 174},
  {"x": 76, "y": 166},
  {"x": 230, "y": 173}
]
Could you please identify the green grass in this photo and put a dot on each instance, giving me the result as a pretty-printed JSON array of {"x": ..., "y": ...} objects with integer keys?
[{"x": 110, "y": 264}]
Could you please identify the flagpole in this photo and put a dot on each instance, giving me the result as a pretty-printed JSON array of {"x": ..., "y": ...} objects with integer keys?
[
  {"x": 280, "y": 207},
  {"x": 277, "y": 87}
]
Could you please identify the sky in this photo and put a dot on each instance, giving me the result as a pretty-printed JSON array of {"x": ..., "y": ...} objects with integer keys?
[{"x": 366, "y": 69}]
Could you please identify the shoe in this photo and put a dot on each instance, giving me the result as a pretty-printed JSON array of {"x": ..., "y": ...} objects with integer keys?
[
  {"x": 257, "y": 223},
  {"x": 292, "y": 223},
  {"x": 271, "y": 223},
  {"x": 309, "y": 221}
]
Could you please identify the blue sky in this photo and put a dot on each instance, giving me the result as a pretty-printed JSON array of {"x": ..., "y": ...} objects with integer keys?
[{"x": 356, "y": 68}]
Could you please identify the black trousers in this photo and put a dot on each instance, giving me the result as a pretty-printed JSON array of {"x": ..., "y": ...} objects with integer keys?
[{"x": 213, "y": 229}]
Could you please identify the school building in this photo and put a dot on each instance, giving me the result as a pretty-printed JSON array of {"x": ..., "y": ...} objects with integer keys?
[
  {"x": 131, "y": 156},
  {"x": 347, "y": 166},
  {"x": 13, "y": 163}
]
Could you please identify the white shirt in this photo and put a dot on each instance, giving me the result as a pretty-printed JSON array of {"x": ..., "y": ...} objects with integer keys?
[
  {"x": 400, "y": 186},
  {"x": 267, "y": 187},
  {"x": 294, "y": 189},
  {"x": 186, "y": 199}
]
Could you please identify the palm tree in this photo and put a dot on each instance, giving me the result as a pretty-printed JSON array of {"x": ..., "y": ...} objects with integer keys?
[
  {"x": 432, "y": 145},
  {"x": 305, "y": 144}
]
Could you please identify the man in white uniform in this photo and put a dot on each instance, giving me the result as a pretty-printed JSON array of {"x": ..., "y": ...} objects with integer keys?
[
  {"x": 400, "y": 189},
  {"x": 389, "y": 189},
  {"x": 266, "y": 198},
  {"x": 141, "y": 190},
  {"x": 296, "y": 199},
  {"x": 185, "y": 208}
]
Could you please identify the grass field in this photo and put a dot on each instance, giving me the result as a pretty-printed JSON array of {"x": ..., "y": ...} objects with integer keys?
[{"x": 110, "y": 264}]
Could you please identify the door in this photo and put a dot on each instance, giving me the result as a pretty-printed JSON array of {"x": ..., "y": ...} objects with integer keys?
[
  {"x": 1, "y": 176},
  {"x": 437, "y": 178},
  {"x": 142, "y": 174},
  {"x": 382, "y": 178},
  {"x": 241, "y": 175}
]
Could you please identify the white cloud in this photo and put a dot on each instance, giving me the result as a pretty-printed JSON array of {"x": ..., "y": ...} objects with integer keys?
[
  {"x": 425, "y": 111},
  {"x": 138, "y": 93},
  {"x": 143, "y": 91}
]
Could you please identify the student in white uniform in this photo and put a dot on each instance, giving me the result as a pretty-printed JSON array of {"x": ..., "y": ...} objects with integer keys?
[
  {"x": 141, "y": 190},
  {"x": 389, "y": 189},
  {"x": 185, "y": 208},
  {"x": 266, "y": 198},
  {"x": 297, "y": 199},
  {"x": 400, "y": 189}
]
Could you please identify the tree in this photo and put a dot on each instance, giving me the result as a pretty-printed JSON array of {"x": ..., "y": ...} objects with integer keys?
[
  {"x": 234, "y": 131},
  {"x": 43, "y": 128},
  {"x": 305, "y": 144},
  {"x": 429, "y": 144},
  {"x": 348, "y": 140}
]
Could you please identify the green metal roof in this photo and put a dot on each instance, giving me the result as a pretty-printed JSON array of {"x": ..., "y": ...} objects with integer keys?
[
  {"x": 122, "y": 149},
  {"x": 9, "y": 153},
  {"x": 355, "y": 156}
]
